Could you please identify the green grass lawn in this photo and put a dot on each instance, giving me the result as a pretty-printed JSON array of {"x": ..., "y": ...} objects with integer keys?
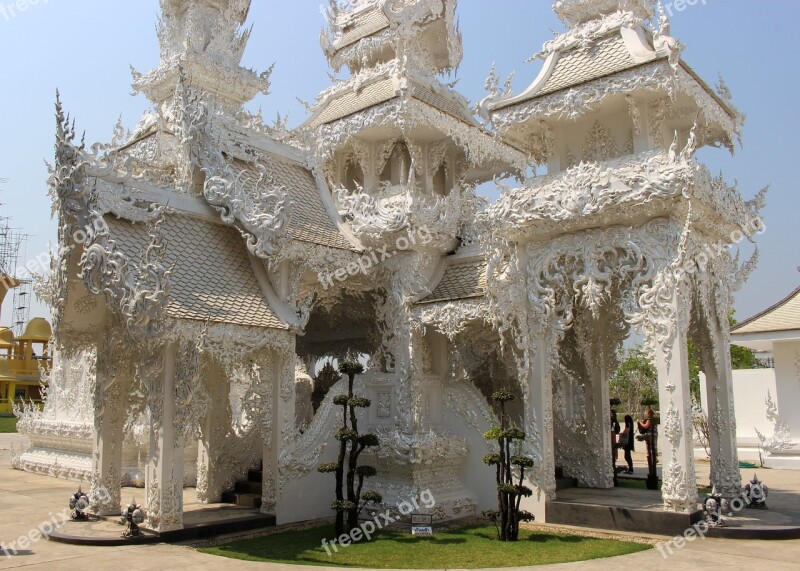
[
  {"x": 8, "y": 423},
  {"x": 469, "y": 547}
]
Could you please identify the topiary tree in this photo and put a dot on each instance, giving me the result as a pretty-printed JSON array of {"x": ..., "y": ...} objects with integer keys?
[
  {"x": 508, "y": 515},
  {"x": 351, "y": 445}
]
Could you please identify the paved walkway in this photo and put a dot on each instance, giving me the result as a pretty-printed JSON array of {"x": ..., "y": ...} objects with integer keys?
[{"x": 27, "y": 501}]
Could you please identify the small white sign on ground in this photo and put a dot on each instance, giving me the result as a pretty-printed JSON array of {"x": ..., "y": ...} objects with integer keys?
[{"x": 421, "y": 524}]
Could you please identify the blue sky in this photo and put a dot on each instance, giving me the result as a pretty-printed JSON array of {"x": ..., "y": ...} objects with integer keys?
[{"x": 84, "y": 48}]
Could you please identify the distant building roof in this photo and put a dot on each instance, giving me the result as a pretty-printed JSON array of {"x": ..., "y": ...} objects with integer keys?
[
  {"x": 783, "y": 316},
  {"x": 6, "y": 338},
  {"x": 38, "y": 330}
]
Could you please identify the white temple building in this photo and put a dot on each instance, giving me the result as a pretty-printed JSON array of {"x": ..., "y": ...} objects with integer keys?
[
  {"x": 208, "y": 262},
  {"x": 768, "y": 401}
]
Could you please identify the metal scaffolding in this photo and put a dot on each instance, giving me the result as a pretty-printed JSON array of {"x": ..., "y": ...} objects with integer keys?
[{"x": 12, "y": 244}]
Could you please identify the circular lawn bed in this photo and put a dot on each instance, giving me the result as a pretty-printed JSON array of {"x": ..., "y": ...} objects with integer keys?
[{"x": 466, "y": 548}]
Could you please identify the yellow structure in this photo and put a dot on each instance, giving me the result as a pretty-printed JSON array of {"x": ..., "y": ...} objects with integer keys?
[{"x": 21, "y": 360}]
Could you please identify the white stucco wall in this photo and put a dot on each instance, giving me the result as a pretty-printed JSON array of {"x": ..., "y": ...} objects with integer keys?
[
  {"x": 750, "y": 388},
  {"x": 787, "y": 376}
]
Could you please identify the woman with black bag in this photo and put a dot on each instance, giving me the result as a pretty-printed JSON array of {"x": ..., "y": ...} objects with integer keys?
[{"x": 626, "y": 442}]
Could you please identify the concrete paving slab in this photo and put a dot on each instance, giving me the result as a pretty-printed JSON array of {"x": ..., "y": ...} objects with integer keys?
[{"x": 23, "y": 511}]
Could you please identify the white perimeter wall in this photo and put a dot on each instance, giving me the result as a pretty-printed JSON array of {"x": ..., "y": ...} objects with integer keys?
[
  {"x": 787, "y": 377},
  {"x": 750, "y": 388}
]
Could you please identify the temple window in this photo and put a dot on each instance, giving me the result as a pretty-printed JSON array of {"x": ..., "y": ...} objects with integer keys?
[
  {"x": 439, "y": 181},
  {"x": 353, "y": 175},
  {"x": 396, "y": 169}
]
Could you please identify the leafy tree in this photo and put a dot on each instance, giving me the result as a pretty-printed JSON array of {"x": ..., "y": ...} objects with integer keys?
[
  {"x": 744, "y": 358},
  {"x": 694, "y": 370},
  {"x": 351, "y": 445},
  {"x": 509, "y": 494},
  {"x": 635, "y": 381},
  {"x": 741, "y": 358}
]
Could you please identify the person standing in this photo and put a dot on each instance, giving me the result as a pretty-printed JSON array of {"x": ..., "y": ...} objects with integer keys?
[
  {"x": 647, "y": 429},
  {"x": 626, "y": 442},
  {"x": 614, "y": 435}
]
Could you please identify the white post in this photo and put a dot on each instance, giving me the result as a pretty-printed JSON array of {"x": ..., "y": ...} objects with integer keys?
[
  {"x": 725, "y": 473},
  {"x": 539, "y": 428},
  {"x": 210, "y": 479},
  {"x": 164, "y": 477},
  {"x": 679, "y": 488},
  {"x": 111, "y": 390},
  {"x": 279, "y": 433},
  {"x": 598, "y": 413}
]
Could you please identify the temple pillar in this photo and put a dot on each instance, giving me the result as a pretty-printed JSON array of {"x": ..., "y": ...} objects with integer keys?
[
  {"x": 590, "y": 347},
  {"x": 278, "y": 433},
  {"x": 210, "y": 476},
  {"x": 539, "y": 426},
  {"x": 112, "y": 383},
  {"x": 164, "y": 473},
  {"x": 679, "y": 486},
  {"x": 597, "y": 426},
  {"x": 725, "y": 475}
]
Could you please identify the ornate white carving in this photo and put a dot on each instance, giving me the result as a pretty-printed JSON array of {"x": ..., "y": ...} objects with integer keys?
[
  {"x": 191, "y": 400},
  {"x": 601, "y": 244},
  {"x": 656, "y": 77},
  {"x": 264, "y": 214},
  {"x": 599, "y": 144},
  {"x": 450, "y": 318},
  {"x": 781, "y": 438},
  {"x": 591, "y": 189}
]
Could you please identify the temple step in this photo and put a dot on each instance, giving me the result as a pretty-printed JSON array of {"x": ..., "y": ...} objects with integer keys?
[
  {"x": 246, "y": 493},
  {"x": 244, "y": 500},
  {"x": 248, "y": 487},
  {"x": 564, "y": 482}
]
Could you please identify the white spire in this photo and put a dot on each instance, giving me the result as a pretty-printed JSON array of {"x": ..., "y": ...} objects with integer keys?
[
  {"x": 363, "y": 33},
  {"x": 210, "y": 27},
  {"x": 203, "y": 40}
]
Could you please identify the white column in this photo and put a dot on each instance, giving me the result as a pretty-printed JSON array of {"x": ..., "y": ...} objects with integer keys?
[
  {"x": 596, "y": 341},
  {"x": 210, "y": 479},
  {"x": 679, "y": 487},
  {"x": 111, "y": 390},
  {"x": 725, "y": 473},
  {"x": 164, "y": 476},
  {"x": 279, "y": 433},
  {"x": 598, "y": 425},
  {"x": 539, "y": 427}
]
